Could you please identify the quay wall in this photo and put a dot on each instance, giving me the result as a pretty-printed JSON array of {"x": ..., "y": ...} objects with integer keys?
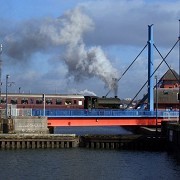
[
  {"x": 36, "y": 141},
  {"x": 24, "y": 124},
  {"x": 173, "y": 136},
  {"x": 128, "y": 142},
  {"x": 33, "y": 141},
  {"x": 32, "y": 124}
]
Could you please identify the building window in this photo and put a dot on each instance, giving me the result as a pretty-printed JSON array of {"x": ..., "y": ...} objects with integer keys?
[
  {"x": 165, "y": 92},
  {"x": 75, "y": 101}
]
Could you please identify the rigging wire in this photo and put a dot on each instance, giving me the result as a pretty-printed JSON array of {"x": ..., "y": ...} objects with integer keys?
[
  {"x": 152, "y": 73},
  {"x": 166, "y": 62}
]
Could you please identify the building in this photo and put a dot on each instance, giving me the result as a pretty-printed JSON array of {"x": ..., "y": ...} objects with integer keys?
[{"x": 167, "y": 92}]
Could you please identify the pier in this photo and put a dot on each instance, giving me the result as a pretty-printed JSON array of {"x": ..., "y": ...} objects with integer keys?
[
  {"x": 36, "y": 141},
  {"x": 56, "y": 141},
  {"x": 124, "y": 142}
]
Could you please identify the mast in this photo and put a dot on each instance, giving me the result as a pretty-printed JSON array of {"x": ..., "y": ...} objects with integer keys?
[{"x": 150, "y": 69}]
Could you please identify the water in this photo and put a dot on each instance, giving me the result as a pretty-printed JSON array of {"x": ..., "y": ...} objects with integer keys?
[
  {"x": 91, "y": 130},
  {"x": 87, "y": 164}
]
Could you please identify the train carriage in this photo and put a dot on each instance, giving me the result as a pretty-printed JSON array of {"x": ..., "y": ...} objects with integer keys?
[{"x": 37, "y": 101}]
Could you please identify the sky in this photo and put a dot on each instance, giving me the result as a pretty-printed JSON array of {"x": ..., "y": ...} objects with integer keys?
[{"x": 84, "y": 46}]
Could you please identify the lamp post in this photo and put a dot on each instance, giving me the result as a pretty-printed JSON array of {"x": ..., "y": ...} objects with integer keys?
[
  {"x": 1, "y": 49},
  {"x": 156, "y": 103},
  {"x": 7, "y": 76},
  {"x": 44, "y": 104}
]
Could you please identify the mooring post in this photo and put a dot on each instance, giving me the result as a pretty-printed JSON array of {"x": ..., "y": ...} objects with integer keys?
[{"x": 150, "y": 69}]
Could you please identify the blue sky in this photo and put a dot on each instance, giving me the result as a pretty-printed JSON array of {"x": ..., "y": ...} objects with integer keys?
[
  {"x": 68, "y": 46},
  {"x": 25, "y": 9}
]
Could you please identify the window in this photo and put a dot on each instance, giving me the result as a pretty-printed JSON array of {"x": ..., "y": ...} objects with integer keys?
[
  {"x": 48, "y": 101},
  {"x": 14, "y": 101},
  {"x": 80, "y": 103},
  {"x": 39, "y": 101},
  {"x": 24, "y": 101},
  {"x": 58, "y": 101},
  {"x": 165, "y": 92},
  {"x": 3, "y": 100},
  {"x": 75, "y": 101},
  {"x": 68, "y": 102}
]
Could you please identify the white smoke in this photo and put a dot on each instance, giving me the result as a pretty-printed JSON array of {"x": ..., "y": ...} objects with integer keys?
[
  {"x": 81, "y": 61},
  {"x": 87, "y": 92},
  {"x": 84, "y": 92},
  {"x": 68, "y": 30}
]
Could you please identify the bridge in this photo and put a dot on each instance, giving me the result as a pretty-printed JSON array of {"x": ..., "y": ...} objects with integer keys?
[{"x": 104, "y": 117}]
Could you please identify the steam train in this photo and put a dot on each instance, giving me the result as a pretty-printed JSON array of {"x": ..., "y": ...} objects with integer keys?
[{"x": 58, "y": 101}]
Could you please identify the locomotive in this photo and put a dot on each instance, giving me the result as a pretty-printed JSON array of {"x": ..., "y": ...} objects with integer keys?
[
  {"x": 58, "y": 101},
  {"x": 94, "y": 102}
]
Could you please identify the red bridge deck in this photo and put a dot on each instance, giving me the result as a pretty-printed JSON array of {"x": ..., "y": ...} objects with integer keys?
[{"x": 103, "y": 121}]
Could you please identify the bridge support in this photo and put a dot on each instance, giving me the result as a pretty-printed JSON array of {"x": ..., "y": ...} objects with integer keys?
[{"x": 150, "y": 69}]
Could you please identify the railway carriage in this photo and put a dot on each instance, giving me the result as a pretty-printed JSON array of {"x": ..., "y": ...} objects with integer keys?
[{"x": 37, "y": 101}]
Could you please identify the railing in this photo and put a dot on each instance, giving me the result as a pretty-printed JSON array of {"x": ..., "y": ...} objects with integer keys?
[
  {"x": 171, "y": 116},
  {"x": 16, "y": 112},
  {"x": 100, "y": 112}
]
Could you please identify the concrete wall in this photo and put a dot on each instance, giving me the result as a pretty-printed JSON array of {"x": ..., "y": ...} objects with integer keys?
[
  {"x": 30, "y": 124},
  {"x": 173, "y": 136}
]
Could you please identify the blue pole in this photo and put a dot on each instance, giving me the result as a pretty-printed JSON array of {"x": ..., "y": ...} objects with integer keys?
[{"x": 150, "y": 69}]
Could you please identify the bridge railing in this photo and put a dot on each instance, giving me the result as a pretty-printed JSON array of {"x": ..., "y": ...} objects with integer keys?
[
  {"x": 166, "y": 115},
  {"x": 171, "y": 116},
  {"x": 101, "y": 112}
]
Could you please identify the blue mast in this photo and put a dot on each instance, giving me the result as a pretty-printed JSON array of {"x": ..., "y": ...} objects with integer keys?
[{"x": 150, "y": 69}]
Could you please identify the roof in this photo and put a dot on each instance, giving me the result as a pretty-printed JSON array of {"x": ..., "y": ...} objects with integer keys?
[
  {"x": 27, "y": 95},
  {"x": 171, "y": 74}
]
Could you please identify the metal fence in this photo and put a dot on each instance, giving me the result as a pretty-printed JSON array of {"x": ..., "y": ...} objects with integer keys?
[
  {"x": 171, "y": 116},
  {"x": 167, "y": 115},
  {"x": 102, "y": 112},
  {"x": 15, "y": 112}
]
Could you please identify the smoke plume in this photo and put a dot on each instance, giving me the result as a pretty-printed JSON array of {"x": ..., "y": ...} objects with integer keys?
[{"x": 67, "y": 31}]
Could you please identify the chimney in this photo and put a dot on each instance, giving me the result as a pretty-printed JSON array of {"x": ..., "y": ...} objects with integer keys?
[{"x": 115, "y": 86}]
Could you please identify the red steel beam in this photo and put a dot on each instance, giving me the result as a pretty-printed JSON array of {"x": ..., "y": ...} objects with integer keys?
[{"x": 103, "y": 121}]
